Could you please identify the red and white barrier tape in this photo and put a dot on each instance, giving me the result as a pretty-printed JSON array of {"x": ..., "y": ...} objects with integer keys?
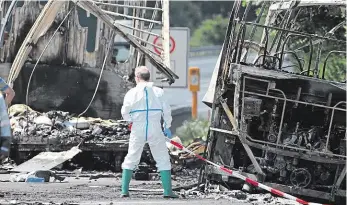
[{"x": 246, "y": 179}]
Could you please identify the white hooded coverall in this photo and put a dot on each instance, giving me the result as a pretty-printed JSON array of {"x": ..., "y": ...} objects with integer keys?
[{"x": 144, "y": 106}]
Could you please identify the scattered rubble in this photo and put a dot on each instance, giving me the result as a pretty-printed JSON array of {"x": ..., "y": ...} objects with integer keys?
[
  {"x": 219, "y": 192},
  {"x": 6, "y": 165},
  {"x": 54, "y": 127}
]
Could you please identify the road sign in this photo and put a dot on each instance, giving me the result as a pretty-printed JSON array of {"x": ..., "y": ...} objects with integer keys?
[
  {"x": 157, "y": 41},
  {"x": 179, "y": 50}
]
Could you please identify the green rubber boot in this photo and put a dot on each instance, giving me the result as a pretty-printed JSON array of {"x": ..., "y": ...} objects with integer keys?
[
  {"x": 126, "y": 177},
  {"x": 166, "y": 180}
]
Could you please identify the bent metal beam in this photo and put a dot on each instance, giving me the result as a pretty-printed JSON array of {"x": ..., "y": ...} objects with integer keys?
[
  {"x": 40, "y": 27},
  {"x": 155, "y": 60}
]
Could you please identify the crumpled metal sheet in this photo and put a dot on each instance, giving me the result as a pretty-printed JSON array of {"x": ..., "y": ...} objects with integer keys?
[{"x": 46, "y": 160}]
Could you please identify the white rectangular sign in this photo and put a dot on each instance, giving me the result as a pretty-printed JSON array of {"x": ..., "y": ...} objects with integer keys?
[{"x": 179, "y": 50}]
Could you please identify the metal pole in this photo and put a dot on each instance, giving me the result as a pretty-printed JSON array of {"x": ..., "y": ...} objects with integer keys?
[
  {"x": 194, "y": 105},
  {"x": 166, "y": 32}
]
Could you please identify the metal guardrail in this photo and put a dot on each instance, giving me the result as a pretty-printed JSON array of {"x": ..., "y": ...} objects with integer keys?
[{"x": 205, "y": 51}]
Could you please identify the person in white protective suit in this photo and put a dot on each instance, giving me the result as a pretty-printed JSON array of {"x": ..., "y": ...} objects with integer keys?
[{"x": 144, "y": 107}]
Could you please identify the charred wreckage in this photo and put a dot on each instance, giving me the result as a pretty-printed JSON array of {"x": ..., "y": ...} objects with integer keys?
[
  {"x": 47, "y": 128},
  {"x": 284, "y": 125}
]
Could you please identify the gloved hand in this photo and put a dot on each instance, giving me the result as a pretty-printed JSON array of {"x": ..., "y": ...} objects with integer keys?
[
  {"x": 167, "y": 133},
  {"x": 129, "y": 126}
]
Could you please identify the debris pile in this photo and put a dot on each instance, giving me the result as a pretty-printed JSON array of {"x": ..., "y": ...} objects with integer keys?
[
  {"x": 220, "y": 192},
  {"x": 54, "y": 127},
  {"x": 182, "y": 159}
]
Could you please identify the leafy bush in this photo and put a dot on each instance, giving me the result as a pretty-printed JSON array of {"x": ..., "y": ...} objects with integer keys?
[{"x": 193, "y": 130}]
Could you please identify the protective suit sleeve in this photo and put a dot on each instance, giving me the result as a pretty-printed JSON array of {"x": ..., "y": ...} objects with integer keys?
[
  {"x": 5, "y": 129},
  {"x": 5, "y": 125},
  {"x": 126, "y": 108},
  {"x": 166, "y": 112}
]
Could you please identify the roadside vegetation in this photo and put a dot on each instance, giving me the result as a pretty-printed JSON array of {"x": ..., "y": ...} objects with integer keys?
[{"x": 192, "y": 131}]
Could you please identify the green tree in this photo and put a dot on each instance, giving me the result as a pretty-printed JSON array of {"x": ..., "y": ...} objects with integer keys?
[
  {"x": 185, "y": 14},
  {"x": 211, "y": 32}
]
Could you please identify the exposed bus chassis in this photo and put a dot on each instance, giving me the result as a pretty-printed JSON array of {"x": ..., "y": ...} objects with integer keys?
[{"x": 286, "y": 129}]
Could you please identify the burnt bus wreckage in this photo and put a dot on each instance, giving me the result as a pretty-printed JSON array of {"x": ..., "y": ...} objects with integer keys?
[
  {"x": 286, "y": 128},
  {"x": 56, "y": 52}
]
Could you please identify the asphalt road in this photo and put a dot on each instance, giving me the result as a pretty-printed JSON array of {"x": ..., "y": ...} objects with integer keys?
[{"x": 99, "y": 191}]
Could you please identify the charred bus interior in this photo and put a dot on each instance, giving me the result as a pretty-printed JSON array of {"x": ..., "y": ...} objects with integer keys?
[{"x": 281, "y": 123}]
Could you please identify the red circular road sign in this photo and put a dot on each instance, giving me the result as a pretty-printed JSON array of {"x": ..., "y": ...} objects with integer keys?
[{"x": 158, "y": 43}]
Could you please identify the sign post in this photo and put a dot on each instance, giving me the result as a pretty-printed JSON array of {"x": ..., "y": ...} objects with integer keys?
[
  {"x": 194, "y": 87},
  {"x": 179, "y": 50}
]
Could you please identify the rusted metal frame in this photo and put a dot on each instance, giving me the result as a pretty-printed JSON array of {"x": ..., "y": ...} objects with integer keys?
[
  {"x": 214, "y": 114},
  {"x": 311, "y": 51},
  {"x": 150, "y": 27},
  {"x": 266, "y": 44},
  {"x": 267, "y": 92},
  {"x": 232, "y": 132},
  {"x": 248, "y": 150},
  {"x": 291, "y": 66},
  {"x": 256, "y": 60},
  {"x": 293, "y": 190},
  {"x": 271, "y": 14},
  {"x": 300, "y": 191},
  {"x": 298, "y": 153},
  {"x": 244, "y": 59},
  {"x": 245, "y": 13},
  {"x": 238, "y": 49},
  {"x": 235, "y": 20},
  {"x": 227, "y": 46},
  {"x": 265, "y": 48},
  {"x": 326, "y": 59},
  {"x": 245, "y": 146},
  {"x": 295, "y": 101},
  {"x": 236, "y": 9},
  {"x": 242, "y": 31},
  {"x": 142, "y": 40},
  {"x": 296, "y": 57},
  {"x": 285, "y": 99},
  {"x": 222, "y": 69},
  {"x": 340, "y": 179},
  {"x": 320, "y": 40},
  {"x": 130, "y": 17},
  {"x": 331, "y": 122},
  {"x": 316, "y": 68},
  {"x": 143, "y": 31},
  {"x": 261, "y": 80},
  {"x": 282, "y": 116},
  {"x": 296, "y": 32},
  {"x": 87, "y": 5},
  {"x": 128, "y": 6},
  {"x": 281, "y": 33}
]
